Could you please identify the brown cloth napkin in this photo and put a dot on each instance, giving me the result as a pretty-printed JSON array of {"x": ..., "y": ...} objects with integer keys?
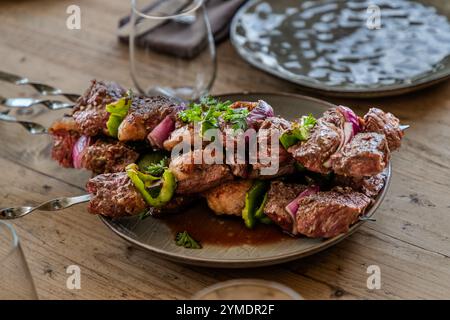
[{"x": 187, "y": 40}]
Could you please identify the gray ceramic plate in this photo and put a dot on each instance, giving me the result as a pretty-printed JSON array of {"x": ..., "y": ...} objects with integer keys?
[
  {"x": 334, "y": 46},
  {"x": 229, "y": 244}
]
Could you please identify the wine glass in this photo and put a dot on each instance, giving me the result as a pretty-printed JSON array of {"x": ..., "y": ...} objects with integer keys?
[
  {"x": 172, "y": 49},
  {"x": 247, "y": 289},
  {"x": 15, "y": 278}
]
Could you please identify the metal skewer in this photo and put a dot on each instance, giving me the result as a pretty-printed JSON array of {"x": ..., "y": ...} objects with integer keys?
[
  {"x": 23, "y": 103},
  {"x": 52, "y": 205},
  {"x": 32, "y": 127},
  {"x": 42, "y": 88},
  {"x": 404, "y": 127},
  {"x": 367, "y": 219}
]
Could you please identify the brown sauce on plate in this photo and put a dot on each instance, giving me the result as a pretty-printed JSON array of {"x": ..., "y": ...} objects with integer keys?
[{"x": 207, "y": 228}]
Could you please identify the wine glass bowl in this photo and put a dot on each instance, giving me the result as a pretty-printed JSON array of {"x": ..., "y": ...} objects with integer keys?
[
  {"x": 172, "y": 49},
  {"x": 15, "y": 277}
]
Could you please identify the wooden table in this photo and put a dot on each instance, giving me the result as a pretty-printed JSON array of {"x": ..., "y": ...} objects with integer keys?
[{"x": 409, "y": 242}]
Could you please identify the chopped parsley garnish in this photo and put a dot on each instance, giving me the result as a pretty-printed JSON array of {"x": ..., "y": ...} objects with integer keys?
[
  {"x": 209, "y": 111},
  {"x": 183, "y": 239},
  {"x": 157, "y": 169}
]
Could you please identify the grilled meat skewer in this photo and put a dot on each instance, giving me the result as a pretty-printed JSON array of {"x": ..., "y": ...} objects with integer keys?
[{"x": 329, "y": 148}]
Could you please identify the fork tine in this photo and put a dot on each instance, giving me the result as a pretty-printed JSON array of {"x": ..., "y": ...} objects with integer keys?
[
  {"x": 404, "y": 127},
  {"x": 32, "y": 127},
  {"x": 42, "y": 88}
]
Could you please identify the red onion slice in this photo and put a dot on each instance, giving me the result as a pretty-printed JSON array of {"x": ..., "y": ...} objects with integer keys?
[
  {"x": 292, "y": 207},
  {"x": 351, "y": 117},
  {"x": 161, "y": 132},
  {"x": 78, "y": 151},
  {"x": 259, "y": 113}
]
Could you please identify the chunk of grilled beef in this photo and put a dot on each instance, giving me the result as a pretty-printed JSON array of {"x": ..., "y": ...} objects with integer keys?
[
  {"x": 66, "y": 123},
  {"x": 333, "y": 116},
  {"x": 370, "y": 186},
  {"x": 330, "y": 213},
  {"x": 323, "y": 142},
  {"x": 367, "y": 154},
  {"x": 179, "y": 135},
  {"x": 65, "y": 134},
  {"x": 386, "y": 123},
  {"x": 229, "y": 197},
  {"x": 194, "y": 175},
  {"x": 144, "y": 115},
  {"x": 279, "y": 196},
  {"x": 63, "y": 142},
  {"x": 114, "y": 195},
  {"x": 272, "y": 128},
  {"x": 89, "y": 111},
  {"x": 108, "y": 156}
]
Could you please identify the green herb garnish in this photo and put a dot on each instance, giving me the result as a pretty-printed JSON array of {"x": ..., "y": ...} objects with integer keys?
[
  {"x": 183, "y": 239},
  {"x": 209, "y": 111},
  {"x": 300, "y": 131},
  {"x": 157, "y": 169}
]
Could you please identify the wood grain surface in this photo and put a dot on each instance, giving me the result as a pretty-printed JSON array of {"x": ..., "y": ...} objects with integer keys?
[{"x": 409, "y": 242}]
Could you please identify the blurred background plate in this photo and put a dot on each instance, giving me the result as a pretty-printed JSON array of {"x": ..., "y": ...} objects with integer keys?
[
  {"x": 226, "y": 242},
  {"x": 336, "y": 47}
]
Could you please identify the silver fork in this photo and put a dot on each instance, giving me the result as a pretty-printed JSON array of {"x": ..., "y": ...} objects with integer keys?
[
  {"x": 23, "y": 103},
  {"x": 42, "y": 88},
  {"x": 51, "y": 205},
  {"x": 32, "y": 127}
]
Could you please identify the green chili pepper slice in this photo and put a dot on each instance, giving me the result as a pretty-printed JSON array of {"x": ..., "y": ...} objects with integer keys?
[
  {"x": 300, "y": 131},
  {"x": 118, "y": 110},
  {"x": 259, "y": 213},
  {"x": 253, "y": 203},
  {"x": 142, "y": 181}
]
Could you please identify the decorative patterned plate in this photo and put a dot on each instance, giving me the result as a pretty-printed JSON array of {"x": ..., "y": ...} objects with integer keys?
[
  {"x": 355, "y": 48},
  {"x": 226, "y": 242}
]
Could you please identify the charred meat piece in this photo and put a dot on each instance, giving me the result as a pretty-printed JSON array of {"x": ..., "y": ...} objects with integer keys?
[
  {"x": 65, "y": 135},
  {"x": 272, "y": 128},
  {"x": 66, "y": 123},
  {"x": 63, "y": 142},
  {"x": 324, "y": 141},
  {"x": 107, "y": 156},
  {"x": 229, "y": 197},
  {"x": 144, "y": 115},
  {"x": 89, "y": 112},
  {"x": 367, "y": 154},
  {"x": 195, "y": 176},
  {"x": 114, "y": 195},
  {"x": 184, "y": 133},
  {"x": 333, "y": 116},
  {"x": 328, "y": 214},
  {"x": 240, "y": 170},
  {"x": 370, "y": 186},
  {"x": 279, "y": 196},
  {"x": 385, "y": 123}
]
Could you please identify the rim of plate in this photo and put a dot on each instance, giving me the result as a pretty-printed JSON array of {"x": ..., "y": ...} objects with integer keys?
[
  {"x": 261, "y": 261},
  {"x": 381, "y": 91}
]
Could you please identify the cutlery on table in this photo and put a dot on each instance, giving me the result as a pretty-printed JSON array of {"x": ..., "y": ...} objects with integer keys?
[
  {"x": 51, "y": 205},
  {"x": 42, "y": 88},
  {"x": 32, "y": 127},
  {"x": 23, "y": 103},
  {"x": 61, "y": 204}
]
